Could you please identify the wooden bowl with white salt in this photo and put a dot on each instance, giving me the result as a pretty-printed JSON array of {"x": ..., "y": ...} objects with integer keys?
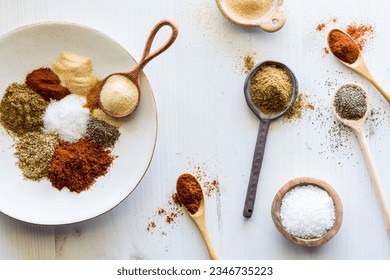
[{"x": 307, "y": 211}]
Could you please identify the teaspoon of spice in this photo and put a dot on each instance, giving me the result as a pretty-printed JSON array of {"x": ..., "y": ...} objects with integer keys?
[
  {"x": 120, "y": 93},
  {"x": 191, "y": 197},
  {"x": 351, "y": 107},
  {"x": 348, "y": 52}
]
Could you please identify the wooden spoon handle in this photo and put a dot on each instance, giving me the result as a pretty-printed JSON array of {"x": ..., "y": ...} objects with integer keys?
[
  {"x": 275, "y": 20},
  {"x": 147, "y": 56},
  {"x": 384, "y": 93},
  {"x": 363, "y": 70},
  {"x": 203, "y": 230},
  {"x": 375, "y": 178}
]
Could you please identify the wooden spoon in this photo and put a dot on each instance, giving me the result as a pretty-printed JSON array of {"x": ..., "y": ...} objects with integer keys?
[
  {"x": 134, "y": 75},
  {"x": 272, "y": 21},
  {"x": 357, "y": 127},
  {"x": 360, "y": 67},
  {"x": 199, "y": 217}
]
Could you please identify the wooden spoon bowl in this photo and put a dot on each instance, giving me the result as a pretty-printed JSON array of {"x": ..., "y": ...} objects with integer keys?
[
  {"x": 273, "y": 20},
  {"x": 134, "y": 75},
  {"x": 303, "y": 181}
]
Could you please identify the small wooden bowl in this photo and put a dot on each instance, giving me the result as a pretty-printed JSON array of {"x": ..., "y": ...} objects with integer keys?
[{"x": 303, "y": 181}]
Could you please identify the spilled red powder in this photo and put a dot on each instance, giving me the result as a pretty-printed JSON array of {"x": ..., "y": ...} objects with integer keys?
[
  {"x": 151, "y": 225},
  {"x": 320, "y": 26},
  {"x": 360, "y": 33},
  {"x": 326, "y": 50}
]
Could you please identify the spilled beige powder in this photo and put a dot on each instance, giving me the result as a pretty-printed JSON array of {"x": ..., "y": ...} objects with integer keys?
[{"x": 300, "y": 106}]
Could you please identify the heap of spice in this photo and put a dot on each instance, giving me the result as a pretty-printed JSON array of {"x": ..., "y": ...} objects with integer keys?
[
  {"x": 119, "y": 95},
  {"x": 76, "y": 166},
  {"x": 67, "y": 117},
  {"x": 59, "y": 140},
  {"x": 93, "y": 96},
  {"x": 307, "y": 212},
  {"x": 21, "y": 109},
  {"x": 45, "y": 82},
  {"x": 249, "y": 9},
  {"x": 342, "y": 46},
  {"x": 189, "y": 192},
  {"x": 34, "y": 151},
  {"x": 102, "y": 133},
  {"x": 271, "y": 89},
  {"x": 350, "y": 102},
  {"x": 75, "y": 72}
]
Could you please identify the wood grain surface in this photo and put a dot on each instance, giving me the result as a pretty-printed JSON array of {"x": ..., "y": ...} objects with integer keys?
[{"x": 205, "y": 127}]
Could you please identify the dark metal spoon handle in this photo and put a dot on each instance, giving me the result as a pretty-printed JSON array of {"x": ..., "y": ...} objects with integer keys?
[{"x": 256, "y": 167}]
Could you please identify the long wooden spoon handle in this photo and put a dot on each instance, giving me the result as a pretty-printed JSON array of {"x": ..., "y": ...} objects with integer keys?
[
  {"x": 147, "y": 56},
  {"x": 210, "y": 248},
  {"x": 375, "y": 178},
  {"x": 384, "y": 93}
]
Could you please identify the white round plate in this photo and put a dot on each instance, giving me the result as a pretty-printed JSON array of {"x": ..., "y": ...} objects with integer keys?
[{"x": 34, "y": 46}]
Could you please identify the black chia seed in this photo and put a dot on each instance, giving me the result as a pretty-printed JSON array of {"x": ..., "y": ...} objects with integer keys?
[
  {"x": 350, "y": 102},
  {"x": 102, "y": 133}
]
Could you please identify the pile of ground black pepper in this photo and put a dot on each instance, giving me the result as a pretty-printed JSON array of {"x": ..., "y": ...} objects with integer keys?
[
  {"x": 350, "y": 102},
  {"x": 102, "y": 133}
]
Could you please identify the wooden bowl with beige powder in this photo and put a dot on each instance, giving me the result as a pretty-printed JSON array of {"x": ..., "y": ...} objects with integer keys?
[{"x": 266, "y": 14}]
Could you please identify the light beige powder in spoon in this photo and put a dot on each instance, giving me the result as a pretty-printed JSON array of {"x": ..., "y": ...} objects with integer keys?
[
  {"x": 119, "y": 95},
  {"x": 249, "y": 9}
]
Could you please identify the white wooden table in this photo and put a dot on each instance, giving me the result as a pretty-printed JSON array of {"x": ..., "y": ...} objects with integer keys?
[{"x": 204, "y": 121}]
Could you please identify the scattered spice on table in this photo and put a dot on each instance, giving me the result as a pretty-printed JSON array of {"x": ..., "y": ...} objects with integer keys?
[
  {"x": 248, "y": 63},
  {"x": 21, "y": 109},
  {"x": 67, "y": 117},
  {"x": 211, "y": 187},
  {"x": 360, "y": 33},
  {"x": 249, "y": 9},
  {"x": 119, "y": 95},
  {"x": 189, "y": 192},
  {"x": 102, "y": 133},
  {"x": 46, "y": 83},
  {"x": 350, "y": 102},
  {"x": 322, "y": 25},
  {"x": 271, "y": 89},
  {"x": 343, "y": 47},
  {"x": 299, "y": 107},
  {"x": 75, "y": 72},
  {"x": 76, "y": 166},
  {"x": 34, "y": 151},
  {"x": 307, "y": 212}
]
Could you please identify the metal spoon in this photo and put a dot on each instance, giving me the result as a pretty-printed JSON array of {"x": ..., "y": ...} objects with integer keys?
[
  {"x": 200, "y": 219},
  {"x": 360, "y": 67},
  {"x": 265, "y": 121},
  {"x": 134, "y": 75},
  {"x": 357, "y": 127}
]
